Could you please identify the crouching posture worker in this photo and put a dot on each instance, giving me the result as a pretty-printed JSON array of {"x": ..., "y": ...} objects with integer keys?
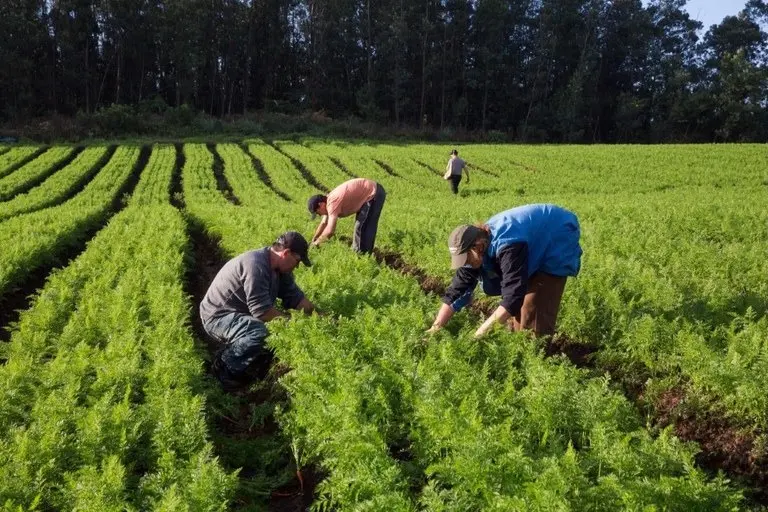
[
  {"x": 365, "y": 198},
  {"x": 525, "y": 255},
  {"x": 241, "y": 300}
]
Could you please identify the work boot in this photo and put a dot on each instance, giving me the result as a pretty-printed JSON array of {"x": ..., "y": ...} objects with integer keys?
[{"x": 229, "y": 382}]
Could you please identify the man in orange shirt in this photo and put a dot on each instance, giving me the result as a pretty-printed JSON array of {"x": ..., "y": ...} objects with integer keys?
[{"x": 363, "y": 197}]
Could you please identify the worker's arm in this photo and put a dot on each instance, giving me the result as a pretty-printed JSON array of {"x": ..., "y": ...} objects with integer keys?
[
  {"x": 320, "y": 228},
  {"x": 458, "y": 295},
  {"x": 306, "y": 306},
  {"x": 271, "y": 314},
  {"x": 329, "y": 230},
  {"x": 444, "y": 314},
  {"x": 513, "y": 263}
]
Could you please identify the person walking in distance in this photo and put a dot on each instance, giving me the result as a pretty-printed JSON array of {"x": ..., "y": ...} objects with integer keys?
[
  {"x": 362, "y": 197},
  {"x": 241, "y": 301},
  {"x": 453, "y": 171},
  {"x": 525, "y": 255}
]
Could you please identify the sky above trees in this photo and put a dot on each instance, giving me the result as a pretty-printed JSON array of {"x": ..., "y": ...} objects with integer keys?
[{"x": 712, "y": 12}]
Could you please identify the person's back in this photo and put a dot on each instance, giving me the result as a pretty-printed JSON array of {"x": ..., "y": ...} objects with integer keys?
[
  {"x": 542, "y": 227},
  {"x": 232, "y": 290},
  {"x": 350, "y": 196},
  {"x": 456, "y": 165}
]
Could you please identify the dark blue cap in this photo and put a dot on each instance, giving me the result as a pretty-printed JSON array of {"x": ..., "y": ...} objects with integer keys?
[
  {"x": 296, "y": 243},
  {"x": 314, "y": 202}
]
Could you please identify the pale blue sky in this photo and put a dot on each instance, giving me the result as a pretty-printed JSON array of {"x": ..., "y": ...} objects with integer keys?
[{"x": 712, "y": 12}]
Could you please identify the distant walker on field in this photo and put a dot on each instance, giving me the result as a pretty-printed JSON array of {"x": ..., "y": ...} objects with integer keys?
[
  {"x": 525, "y": 255},
  {"x": 454, "y": 169},
  {"x": 362, "y": 197},
  {"x": 241, "y": 300}
]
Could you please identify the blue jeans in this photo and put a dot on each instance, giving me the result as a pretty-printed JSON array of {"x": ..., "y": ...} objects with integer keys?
[{"x": 243, "y": 337}]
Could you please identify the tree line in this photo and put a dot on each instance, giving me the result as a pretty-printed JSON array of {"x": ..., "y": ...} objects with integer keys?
[{"x": 541, "y": 70}]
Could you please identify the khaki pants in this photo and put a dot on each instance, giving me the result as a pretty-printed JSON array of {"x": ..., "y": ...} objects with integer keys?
[{"x": 541, "y": 305}]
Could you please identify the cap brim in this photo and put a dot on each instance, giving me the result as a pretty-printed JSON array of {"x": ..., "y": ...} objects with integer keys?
[
  {"x": 314, "y": 215},
  {"x": 305, "y": 261},
  {"x": 458, "y": 260}
]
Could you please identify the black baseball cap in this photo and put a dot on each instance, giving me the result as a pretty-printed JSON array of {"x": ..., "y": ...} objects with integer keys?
[
  {"x": 313, "y": 202},
  {"x": 296, "y": 243},
  {"x": 454, "y": 152},
  {"x": 460, "y": 242}
]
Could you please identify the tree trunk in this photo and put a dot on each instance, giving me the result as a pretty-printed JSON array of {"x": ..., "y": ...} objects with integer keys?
[
  {"x": 442, "y": 100},
  {"x": 141, "y": 78},
  {"x": 368, "y": 50},
  {"x": 87, "y": 84},
  {"x": 485, "y": 101},
  {"x": 117, "y": 72},
  {"x": 422, "y": 115}
]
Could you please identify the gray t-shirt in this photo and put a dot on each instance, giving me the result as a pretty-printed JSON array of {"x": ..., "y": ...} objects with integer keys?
[
  {"x": 455, "y": 165},
  {"x": 247, "y": 284}
]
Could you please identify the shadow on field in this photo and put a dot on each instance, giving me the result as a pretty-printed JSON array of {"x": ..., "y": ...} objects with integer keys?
[
  {"x": 468, "y": 192},
  {"x": 243, "y": 428}
]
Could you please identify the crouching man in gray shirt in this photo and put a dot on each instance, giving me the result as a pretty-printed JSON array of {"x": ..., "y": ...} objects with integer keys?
[{"x": 241, "y": 300}]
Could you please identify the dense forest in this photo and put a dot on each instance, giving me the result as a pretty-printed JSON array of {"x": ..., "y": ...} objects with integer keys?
[{"x": 538, "y": 70}]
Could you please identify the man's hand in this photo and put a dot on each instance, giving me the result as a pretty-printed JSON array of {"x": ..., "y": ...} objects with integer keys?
[
  {"x": 483, "y": 329},
  {"x": 500, "y": 315}
]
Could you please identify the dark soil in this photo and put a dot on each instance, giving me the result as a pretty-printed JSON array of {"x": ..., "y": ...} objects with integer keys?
[
  {"x": 177, "y": 188},
  {"x": 387, "y": 168},
  {"x": 428, "y": 284},
  {"x": 263, "y": 175},
  {"x": 221, "y": 181},
  {"x": 51, "y": 171},
  {"x": 428, "y": 167},
  {"x": 579, "y": 353},
  {"x": 526, "y": 167},
  {"x": 724, "y": 446},
  {"x": 302, "y": 170},
  {"x": 21, "y": 163},
  {"x": 343, "y": 168},
  {"x": 483, "y": 170},
  {"x": 297, "y": 495}
]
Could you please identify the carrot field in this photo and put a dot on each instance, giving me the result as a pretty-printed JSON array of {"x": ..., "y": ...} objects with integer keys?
[{"x": 652, "y": 396}]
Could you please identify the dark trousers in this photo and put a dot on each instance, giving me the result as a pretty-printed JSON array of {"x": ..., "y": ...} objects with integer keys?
[
  {"x": 455, "y": 180},
  {"x": 541, "y": 305},
  {"x": 367, "y": 222}
]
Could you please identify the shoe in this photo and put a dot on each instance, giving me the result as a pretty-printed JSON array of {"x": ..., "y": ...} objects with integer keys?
[{"x": 228, "y": 382}]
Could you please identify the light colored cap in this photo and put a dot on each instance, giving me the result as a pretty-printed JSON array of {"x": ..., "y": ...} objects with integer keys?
[{"x": 460, "y": 242}]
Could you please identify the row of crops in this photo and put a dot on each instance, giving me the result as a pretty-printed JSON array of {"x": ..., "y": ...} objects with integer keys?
[{"x": 106, "y": 404}]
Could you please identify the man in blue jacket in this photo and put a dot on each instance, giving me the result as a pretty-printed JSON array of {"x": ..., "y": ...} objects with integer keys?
[{"x": 525, "y": 255}]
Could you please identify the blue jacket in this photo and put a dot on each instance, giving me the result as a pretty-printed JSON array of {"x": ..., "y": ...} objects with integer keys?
[
  {"x": 551, "y": 233},
  {"x": 539, "y": 237}
]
